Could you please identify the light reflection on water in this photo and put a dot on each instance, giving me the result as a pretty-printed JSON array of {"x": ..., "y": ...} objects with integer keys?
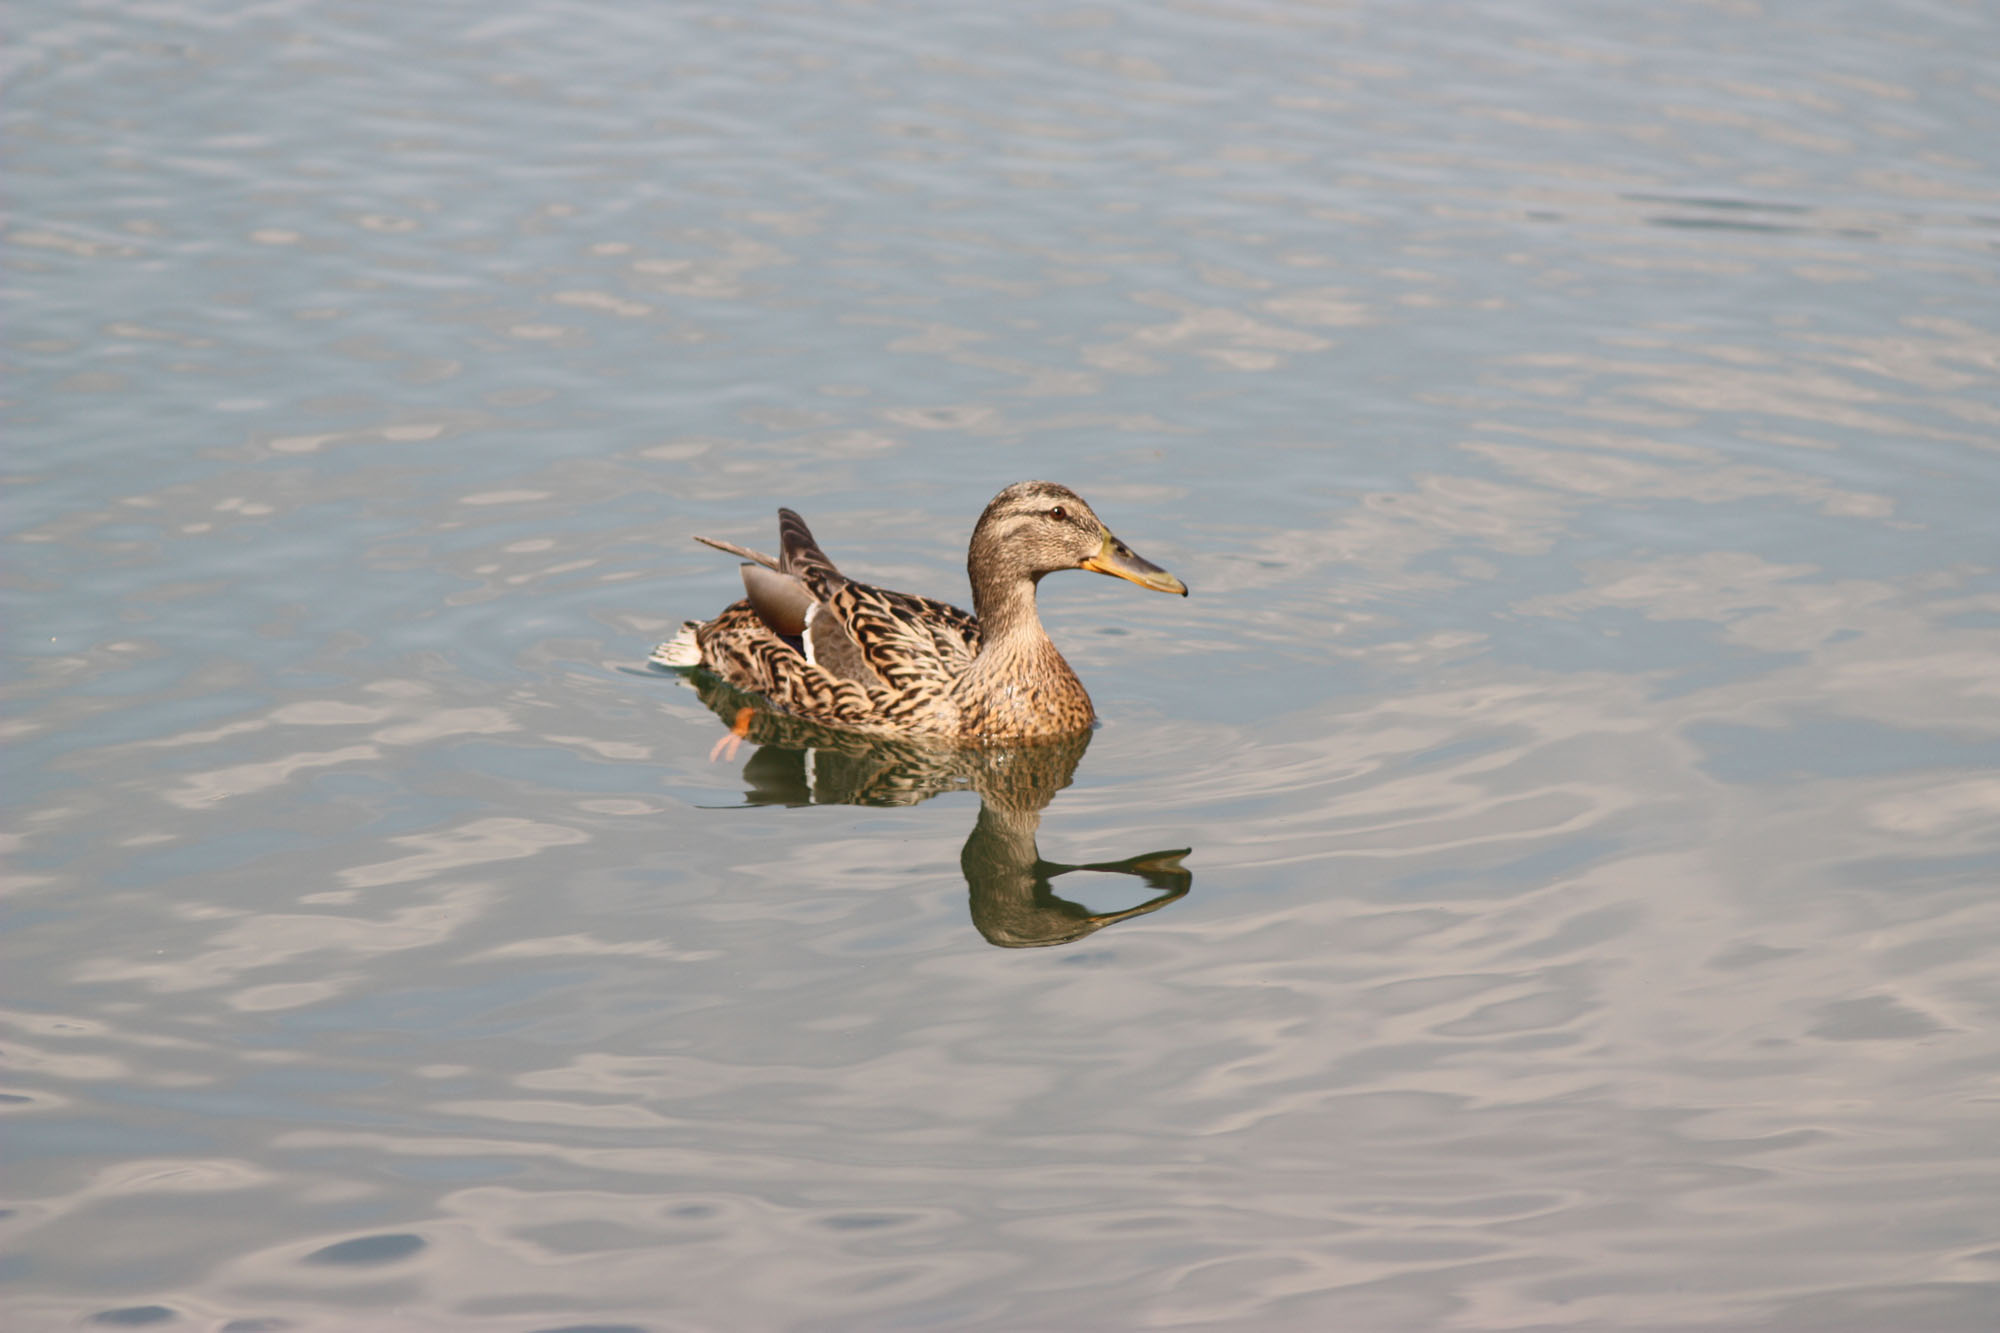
[{"x": 1577, "y": 425}]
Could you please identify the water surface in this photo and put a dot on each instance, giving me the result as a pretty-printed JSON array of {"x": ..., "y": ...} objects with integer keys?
[{"x": 1542, "y": 878}]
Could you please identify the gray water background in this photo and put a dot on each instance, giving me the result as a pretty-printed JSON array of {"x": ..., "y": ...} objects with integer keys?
[{"x": 1577, "y": 423}]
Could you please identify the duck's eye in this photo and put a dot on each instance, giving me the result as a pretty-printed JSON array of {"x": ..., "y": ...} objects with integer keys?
[{"x": 1059, "y": 513}]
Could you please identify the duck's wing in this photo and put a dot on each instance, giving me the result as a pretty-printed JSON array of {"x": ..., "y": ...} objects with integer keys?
[
  {"x": 786, "y": 603},
  {"x": 789, "y": 609},
  {"x": 799, "y": 553},
  {"x": 807, "y": 636},
  {"x": 912, "y": 644},
  {"x": 916, "y": 645},
  {"x": 740, "y": 646}
]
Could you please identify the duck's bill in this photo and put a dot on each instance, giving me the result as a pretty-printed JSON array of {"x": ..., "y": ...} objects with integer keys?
[{"x": 1115, "y": 557}]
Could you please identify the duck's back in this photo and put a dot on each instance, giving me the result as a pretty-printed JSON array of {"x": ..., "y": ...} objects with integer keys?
[{"x": 909, "y": 648}]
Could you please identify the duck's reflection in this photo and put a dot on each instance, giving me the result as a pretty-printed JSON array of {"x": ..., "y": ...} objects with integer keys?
[{"x": 1014, "y": 902}]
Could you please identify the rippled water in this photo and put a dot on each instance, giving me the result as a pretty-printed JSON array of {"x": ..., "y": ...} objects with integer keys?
[{"x": 1544, "y": 877}]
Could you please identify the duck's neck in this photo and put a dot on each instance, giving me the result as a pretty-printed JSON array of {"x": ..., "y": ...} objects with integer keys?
[
  {"x": 1014, "y": 649},
  {"x": 1018, "y": 685},
  {"x": 1011, "y": 637},
  {"x": 1006, "y": 611}
]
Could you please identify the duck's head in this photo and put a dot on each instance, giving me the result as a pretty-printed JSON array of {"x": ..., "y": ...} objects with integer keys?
[{"x": 1037, "y": 527}]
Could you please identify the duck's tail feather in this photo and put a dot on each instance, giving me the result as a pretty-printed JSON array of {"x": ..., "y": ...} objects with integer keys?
[
  {"x": 680, "y": 651},
  {"x": 802, "y": 555},
  {"x": 742, "y": 552}
]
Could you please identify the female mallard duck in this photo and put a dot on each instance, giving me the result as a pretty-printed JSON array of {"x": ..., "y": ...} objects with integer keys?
[{"x": 819, "y": 645}]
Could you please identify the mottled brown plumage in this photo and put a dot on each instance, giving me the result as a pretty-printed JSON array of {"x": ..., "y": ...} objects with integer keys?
[{"x": 819, "y": 645}]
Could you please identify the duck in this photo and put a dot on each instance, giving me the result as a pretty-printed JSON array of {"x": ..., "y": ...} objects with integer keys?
[{"x": 810, "y": 642}]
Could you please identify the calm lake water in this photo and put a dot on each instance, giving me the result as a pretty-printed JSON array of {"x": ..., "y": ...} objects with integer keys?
[{"x": 1547, "y": 876}]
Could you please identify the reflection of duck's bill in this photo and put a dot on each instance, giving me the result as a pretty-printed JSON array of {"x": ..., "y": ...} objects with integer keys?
[
  {"x": 1148, "y": 863},
  {"x": 1116, "y": 558}
]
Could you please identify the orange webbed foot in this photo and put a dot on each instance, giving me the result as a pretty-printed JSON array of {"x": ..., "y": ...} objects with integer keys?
[{"x": 732, "y": 740}]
